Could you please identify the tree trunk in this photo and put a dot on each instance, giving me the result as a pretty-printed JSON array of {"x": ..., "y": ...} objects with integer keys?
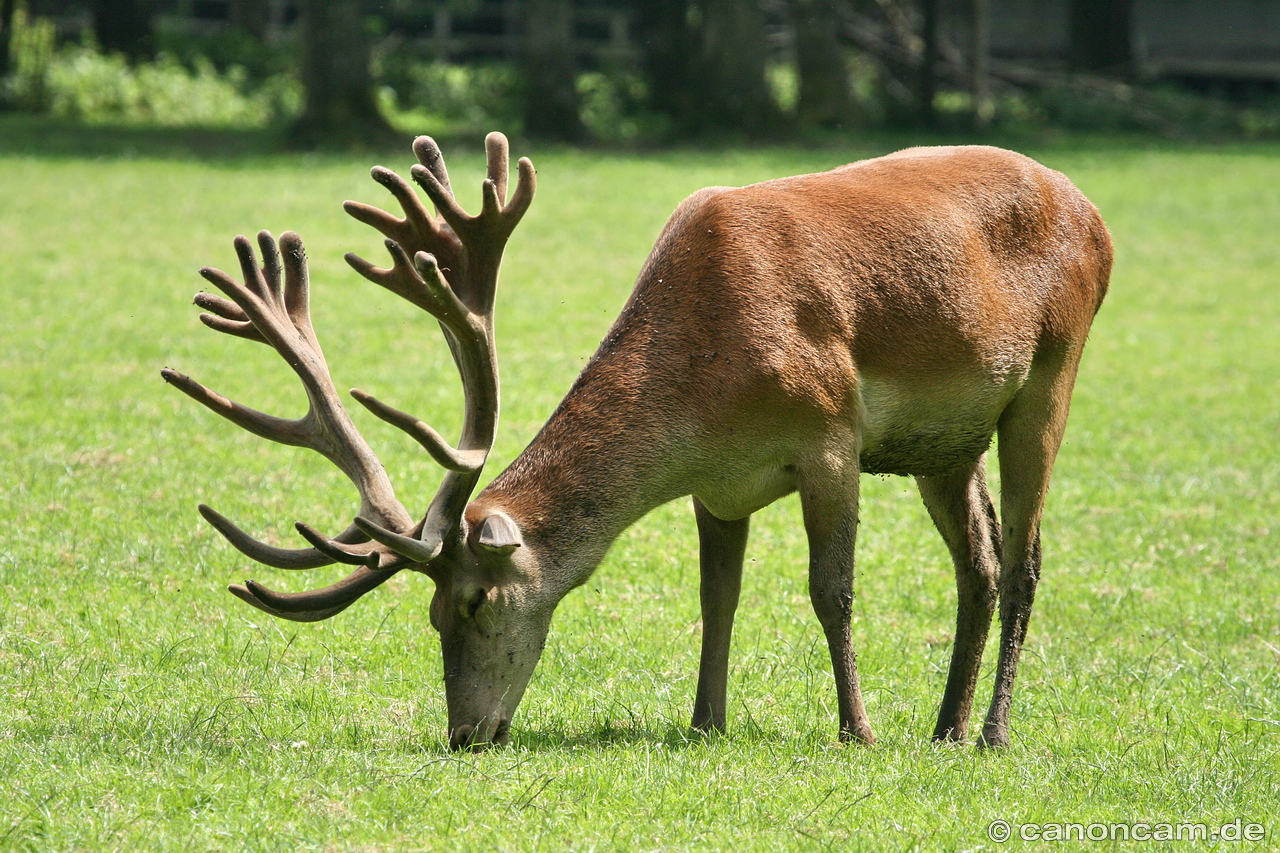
[
  {"x": 250, "y": 16},
  {"x": 825, "y": 96},
  {"x": 340, "y": 109},
  {"x": 7, "y": 10},
  {"x": 1101, "y": 35},
  {"x": 979, "y": 53},
  {"x": 669, "y": 45},
  {"x": 928, "y": 80},
  {"x": 551, "y": 72},
  {"x": 705, "y": 66},
  {"x": 731, "y": 92},
  {"x": 124, "y": 26}
]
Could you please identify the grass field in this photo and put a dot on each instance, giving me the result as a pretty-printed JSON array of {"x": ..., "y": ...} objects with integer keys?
[{"x": 142, "y": 707}]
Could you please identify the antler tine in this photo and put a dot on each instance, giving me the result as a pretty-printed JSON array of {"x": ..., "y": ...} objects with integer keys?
[
  {"x": 434, "y": 443},
  {"x": 242, "y": 592},
  {"x": 316, "y": 605},
  {"x": 355, "y": 550},
  {"x": 226, "y": 316},
  {"x": 442, "y": 197},
  {"x": 282, "y": 430},
  {"x": 428, "y": 154},
  {"x": 278, "y": 558},
  {"x": 498, "y": 154},
  {"x": 526, "y": 186}
]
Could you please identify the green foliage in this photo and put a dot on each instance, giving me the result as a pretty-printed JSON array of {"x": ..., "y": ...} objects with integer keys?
[
  {"x": 232, "y": 49},
  {"x": 230, "y": 79},
  {"x": 1100, "y": 105},
  {"x": 87, "y": 86},
  {"x": 31, "y": 50},
  {"x": 614, "y": 108},
  {"x": 451, "y": 99},
  {"x": 80, "y": 83},
  {"x": 143, "y": 708}
]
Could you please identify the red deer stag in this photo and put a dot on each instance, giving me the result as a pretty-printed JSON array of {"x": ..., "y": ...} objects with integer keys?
[{"x": 887, "y": 317}]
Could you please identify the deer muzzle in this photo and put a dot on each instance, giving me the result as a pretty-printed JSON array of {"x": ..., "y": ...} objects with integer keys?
[{"x": 491, "y": 731}]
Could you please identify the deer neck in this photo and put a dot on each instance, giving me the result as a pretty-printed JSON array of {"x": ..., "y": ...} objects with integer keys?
[{"x": 608, "y": 455}]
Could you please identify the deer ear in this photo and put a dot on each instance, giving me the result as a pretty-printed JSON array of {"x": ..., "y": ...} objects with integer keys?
[{"x": 498, "y": 534}]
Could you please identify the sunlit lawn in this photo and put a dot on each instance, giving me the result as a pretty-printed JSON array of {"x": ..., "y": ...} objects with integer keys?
[{"x": 142, "y": 707}]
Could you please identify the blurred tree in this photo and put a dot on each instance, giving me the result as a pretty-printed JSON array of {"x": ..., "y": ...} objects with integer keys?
[
  {"x": 979, "y": 51},
  {"x": 891, "y": 34},
  {"x": 124, "y": 26},
  {"x": 667, "y": 42},
  {"x": 731, "y": 68},
  {"x": 705, "y": 64},
  {"x": 250, "y": 16},
  {"x": 1101, "y": 35},
  {"x": 245, "y": 42},
  {"x": 928, "y": 76},
  {"x": 825, "y": 97},
  {"x": 550, "y": 72},
  {"x": 7, "y": 10},
  {"x": 340, "y": 109}
]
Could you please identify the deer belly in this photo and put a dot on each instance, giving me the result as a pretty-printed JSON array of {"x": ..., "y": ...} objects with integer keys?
[
  {"x": 928, "y": 431},
  {"x": 742, "y": 493},
  {"x": 924, "y": 451}
]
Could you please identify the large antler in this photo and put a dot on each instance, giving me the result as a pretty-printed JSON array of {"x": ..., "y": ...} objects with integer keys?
[
  {"x": 470, "y": 248},
  {"x": 266, "y": 309}
]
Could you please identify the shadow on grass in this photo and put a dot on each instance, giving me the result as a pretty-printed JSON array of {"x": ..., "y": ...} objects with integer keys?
[
  {"x": 605, "y": 735},
  {"x": 41, "y": 136},
  {"x": 45, "y": 137}
]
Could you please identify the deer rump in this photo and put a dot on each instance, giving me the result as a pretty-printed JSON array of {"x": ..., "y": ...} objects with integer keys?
[{"x": 889, "y": 316}]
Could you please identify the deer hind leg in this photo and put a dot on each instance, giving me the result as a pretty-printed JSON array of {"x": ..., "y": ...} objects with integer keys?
[
  {"x": 722, "y": 545},
  {"x": 829, "y": 500},
  {"x": 961, "y": 510},
  {"x": 1030, "y": 432}
]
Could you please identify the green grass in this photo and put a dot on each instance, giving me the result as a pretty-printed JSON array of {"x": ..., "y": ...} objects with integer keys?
[{"x": 141, "y": 707}]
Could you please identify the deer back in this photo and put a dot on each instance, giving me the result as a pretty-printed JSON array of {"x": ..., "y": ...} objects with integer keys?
[{"x": 897, "y": 303}]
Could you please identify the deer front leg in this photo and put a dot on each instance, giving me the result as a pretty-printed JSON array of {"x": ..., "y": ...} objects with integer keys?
[
  {"x": 829, "y": 500},
  {"x": 961, "y": 509},
  {"x": 722, "y": 545}
]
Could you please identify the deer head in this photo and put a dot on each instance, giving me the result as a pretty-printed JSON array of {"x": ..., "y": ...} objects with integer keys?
[{"x": 447, "y": 265}]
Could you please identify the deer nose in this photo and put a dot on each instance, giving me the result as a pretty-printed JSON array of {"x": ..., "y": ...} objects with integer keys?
[
  {"x": 482, "y": 735},
  {"x": 462, "y": 737}
]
